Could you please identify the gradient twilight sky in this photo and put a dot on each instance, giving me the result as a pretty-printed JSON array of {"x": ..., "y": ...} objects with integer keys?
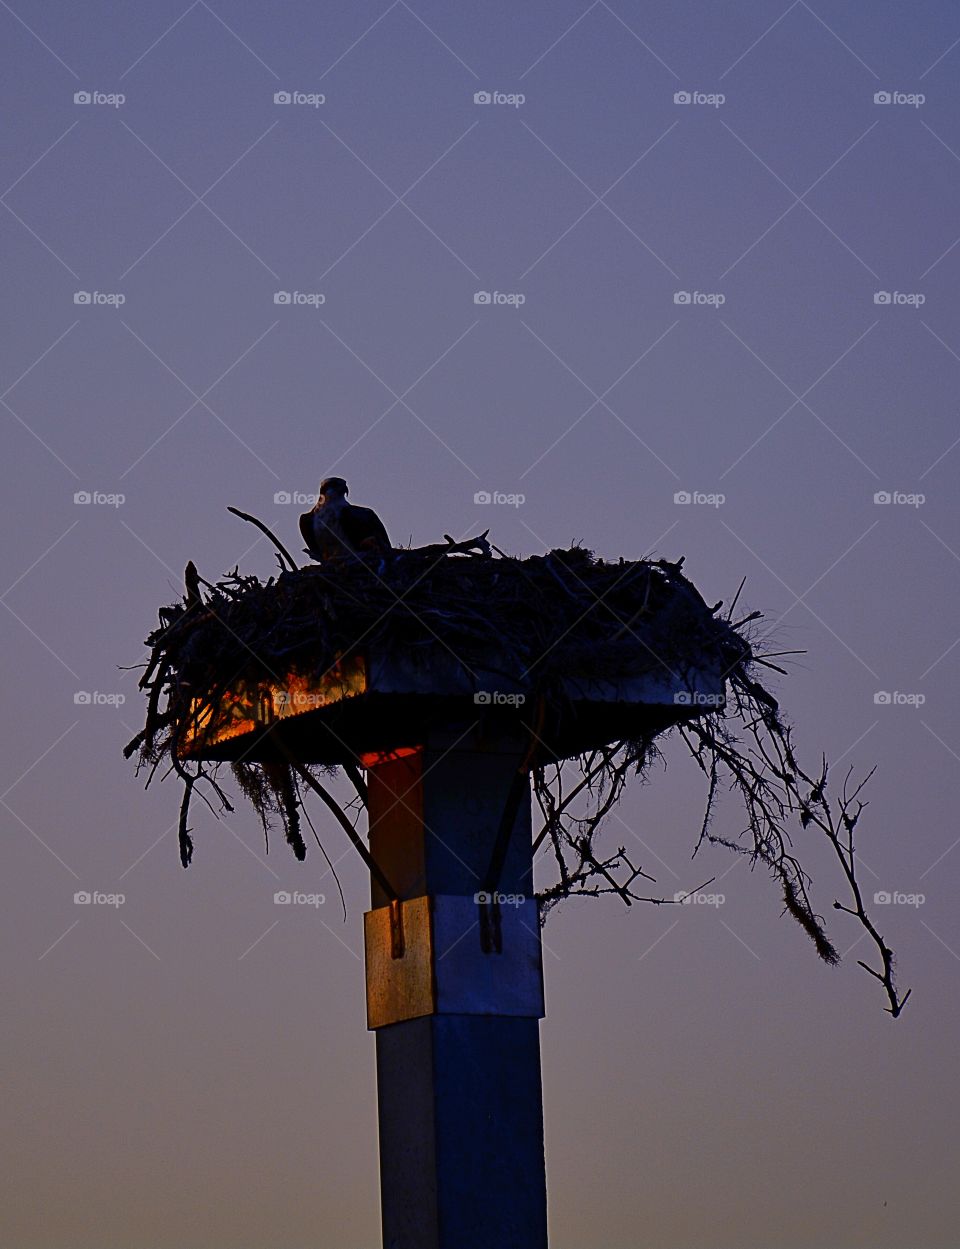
[{"x": 186, "y": 1072}]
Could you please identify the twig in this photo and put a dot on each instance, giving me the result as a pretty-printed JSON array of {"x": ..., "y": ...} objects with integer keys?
[
  {"x": 374, "y": 868},
  {"x": 270, "y": 534}
]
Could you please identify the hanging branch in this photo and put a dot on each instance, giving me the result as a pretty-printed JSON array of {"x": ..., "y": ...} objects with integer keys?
[
  {"x": 183, "y": 832},
  {"x": 770, "y": 782},
  {"x": 330, "y": 863},
  {"x": 774, "y": 790},
  {"x": 558, "y": 808},
  {"x": 603, "y": 776},
  {"x": 374, "y": 868},
  {"x": 839, "y": 828}
]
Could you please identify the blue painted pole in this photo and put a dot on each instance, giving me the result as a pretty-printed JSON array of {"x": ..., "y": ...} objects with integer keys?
[{"x": 455, "y": 995}]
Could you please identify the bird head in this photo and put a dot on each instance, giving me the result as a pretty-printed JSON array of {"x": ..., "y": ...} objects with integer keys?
[{"x": 332, "y": 488}]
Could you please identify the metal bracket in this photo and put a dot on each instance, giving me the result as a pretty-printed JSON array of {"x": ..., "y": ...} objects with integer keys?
[
  {"x": 491, "y": 929},
  {"x": 421, "y": 958},
  {"x": 396, "y": 928}
]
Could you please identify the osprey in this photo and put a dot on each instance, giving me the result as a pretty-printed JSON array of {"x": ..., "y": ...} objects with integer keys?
[{"x": 335, "y": 529}]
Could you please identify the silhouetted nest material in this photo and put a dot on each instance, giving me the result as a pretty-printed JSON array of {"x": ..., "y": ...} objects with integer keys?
[
  {"x": 565, "y": 612},
  {"x": 547, "y": 616}
]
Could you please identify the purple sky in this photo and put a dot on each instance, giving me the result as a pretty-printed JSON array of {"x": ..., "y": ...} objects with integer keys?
[{"x": 188, "y": 1070}]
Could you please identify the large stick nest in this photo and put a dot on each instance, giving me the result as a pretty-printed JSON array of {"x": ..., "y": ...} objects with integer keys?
[{"x": 558, "y": 614}]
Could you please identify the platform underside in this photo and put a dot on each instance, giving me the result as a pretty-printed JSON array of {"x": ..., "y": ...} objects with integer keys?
[{"x": 368, "y": 706}]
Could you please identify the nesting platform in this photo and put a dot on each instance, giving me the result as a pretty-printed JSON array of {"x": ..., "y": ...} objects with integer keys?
[{"x": 357, "y": 662}]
